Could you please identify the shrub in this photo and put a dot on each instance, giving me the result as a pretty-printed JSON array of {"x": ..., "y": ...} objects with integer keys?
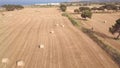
[
  {"x": 115, "y": 28},
  {"x": 76, "y": 11},
  {"x": 86, "y": 14},
  {"x": 109, "y": 7},
  {"x": 94, "y": 8},
  {"x": 84, "y": 8},
  {"x": 101, "y": 8},
  {"x": 63, "y": 7}
]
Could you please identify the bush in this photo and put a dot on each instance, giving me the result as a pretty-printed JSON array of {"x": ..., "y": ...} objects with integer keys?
[
  {"x": 84, "y": 8},
  {"x": 101, "y": 8},
  {"x": 63, "y": 7},
  {"x": 86, "y": 14},
  {"x": 12, "y": 7},
  {"x": 115, "y": 28},
  {"x": 110, "y": 7},
  {"x": 94, "y": 8},
  {"x": 76, "y": 11}
]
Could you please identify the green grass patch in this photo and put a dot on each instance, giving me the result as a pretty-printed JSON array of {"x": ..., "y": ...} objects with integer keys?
[{"x": 73, "y": 21}]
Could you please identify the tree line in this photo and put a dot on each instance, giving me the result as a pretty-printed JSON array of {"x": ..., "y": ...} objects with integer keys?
[
  {"x": 86, "y": 12},
  {"x": 103, "y": 8},
  {"x": 10, "y": 7}
]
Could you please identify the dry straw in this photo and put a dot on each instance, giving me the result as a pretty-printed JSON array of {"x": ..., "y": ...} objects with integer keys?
[
  {"x": 51, "y": 32},
  {"x": 41, "y": 46},
  {"x": 5, "y": 60},
  {"x": 20, "y": 63}
]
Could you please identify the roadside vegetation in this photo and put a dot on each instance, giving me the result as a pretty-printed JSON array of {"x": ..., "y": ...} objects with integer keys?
[
  {"x": 113, "y": 52},
  {"x": 73, "y": 21}
]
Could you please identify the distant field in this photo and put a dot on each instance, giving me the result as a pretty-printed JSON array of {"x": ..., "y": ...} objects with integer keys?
[{"x": 21, "y": 32}]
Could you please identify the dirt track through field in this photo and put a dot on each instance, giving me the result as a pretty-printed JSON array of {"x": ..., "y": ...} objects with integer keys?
[{"x": 22, "y": 31}]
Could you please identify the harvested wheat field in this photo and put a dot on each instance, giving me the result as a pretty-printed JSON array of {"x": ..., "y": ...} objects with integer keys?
[
  {"x": 101, "y": 22},
  {"x": 29, "y": 38}
]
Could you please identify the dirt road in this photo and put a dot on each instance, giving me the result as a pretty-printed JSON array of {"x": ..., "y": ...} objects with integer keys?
[{"x": 22, "y": 31}]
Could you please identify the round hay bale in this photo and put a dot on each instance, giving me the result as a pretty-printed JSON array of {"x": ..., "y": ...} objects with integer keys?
[
  {"x": 105, "y": 21},
  {"x": 5, "y": 60},
  {"x": 56, "y": 24},
  {"x": 20, "y": 63},
  {"x": 63, "y": 25},
  {"x": 51, "y": 32},
  {"x": 41, "y": 46},
  {"x": 105, "y": 10}
]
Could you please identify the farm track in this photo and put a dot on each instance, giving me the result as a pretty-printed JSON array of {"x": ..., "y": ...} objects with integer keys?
[{"x": 66, "y": 48}]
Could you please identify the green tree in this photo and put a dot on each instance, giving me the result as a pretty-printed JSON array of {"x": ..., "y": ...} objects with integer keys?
[
  {"x": 86, "y": 14},
  {"x": 63, "y": 7},
  {"x": 115, "y": 28}
]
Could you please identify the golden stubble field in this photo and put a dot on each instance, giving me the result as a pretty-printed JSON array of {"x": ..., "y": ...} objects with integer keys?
[
  {"x": 21, "y": 33},
  {"x": 100, "y": 22}
]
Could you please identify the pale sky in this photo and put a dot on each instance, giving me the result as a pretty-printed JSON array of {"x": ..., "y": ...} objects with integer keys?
[
  {"x": 29, "y": 1},
  {"x": 39, "y": 1}
]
